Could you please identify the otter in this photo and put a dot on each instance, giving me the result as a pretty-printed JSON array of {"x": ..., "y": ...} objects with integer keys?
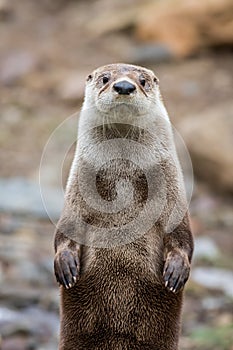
[{"x": 123, "y": 244}]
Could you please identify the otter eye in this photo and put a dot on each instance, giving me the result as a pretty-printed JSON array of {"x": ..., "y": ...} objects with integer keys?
[
  {"x": 105, "y": 79},
  {"x": 89, "y": 78},
  {"x": 142, "y": 81},
  {"x": 156, "y": 80}
]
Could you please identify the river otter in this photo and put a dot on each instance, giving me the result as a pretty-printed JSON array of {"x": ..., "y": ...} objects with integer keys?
[{"x": 123, "y": 242}]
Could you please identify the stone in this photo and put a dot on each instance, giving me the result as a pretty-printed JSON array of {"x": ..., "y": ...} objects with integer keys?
[
  {"x": 39, "y": 326},
  {"x": 16, "y": 65},
  {"x": 6, "y": 10},
  {"x": 20, "y": 296},
  {"x": 209, "y": 138},
  {"x": 214, "y": 278},
  {"x": 150, "y": 54},
  {"x": 71, "y": 89},
  {"x": 206, "y": 248},
  {"x": 213, "y": 303},
  {"x": 22, "y": 196},
  {"x": 113, "y": 21},
  {"x": 186, "y": 27}
]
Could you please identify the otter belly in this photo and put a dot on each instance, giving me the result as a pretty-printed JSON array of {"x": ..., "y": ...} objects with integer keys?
[{"x": 120, "y": 307}]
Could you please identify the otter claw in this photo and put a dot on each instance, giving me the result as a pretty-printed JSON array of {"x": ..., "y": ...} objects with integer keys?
[
  {"x": 66, "y": 267},
  {"x": 176, "y": 271}
]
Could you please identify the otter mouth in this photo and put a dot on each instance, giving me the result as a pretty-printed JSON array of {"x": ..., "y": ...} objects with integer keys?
[
  {"x": 125, "y": 110},
  {"x": 123, "y": 105}
]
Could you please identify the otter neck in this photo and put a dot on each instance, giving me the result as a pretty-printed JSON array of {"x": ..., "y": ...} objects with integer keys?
[{"x": 118, "y": 130}]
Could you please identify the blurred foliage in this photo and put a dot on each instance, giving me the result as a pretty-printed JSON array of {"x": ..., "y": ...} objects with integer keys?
[{"x": 214, "y": 338}]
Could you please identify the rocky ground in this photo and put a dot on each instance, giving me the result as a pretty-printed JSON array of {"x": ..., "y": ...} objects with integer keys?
[{"x": 46, "y": 50}]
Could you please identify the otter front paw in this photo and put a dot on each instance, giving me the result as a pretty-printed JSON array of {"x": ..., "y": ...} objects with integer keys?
[
  {"x": 66, "y": 267},
  {"x": 176, "y": 270}
]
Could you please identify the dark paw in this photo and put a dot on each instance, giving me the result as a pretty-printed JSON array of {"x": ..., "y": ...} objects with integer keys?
[
  {"x": 176, "y": 271},
  {"x": 66, "y": 267}
]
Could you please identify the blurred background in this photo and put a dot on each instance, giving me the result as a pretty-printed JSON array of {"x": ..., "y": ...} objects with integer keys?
[{"x": 47, "y": 48}]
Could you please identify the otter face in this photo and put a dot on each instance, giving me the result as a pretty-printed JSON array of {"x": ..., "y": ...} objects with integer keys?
[{"x": 121, "y": 89}]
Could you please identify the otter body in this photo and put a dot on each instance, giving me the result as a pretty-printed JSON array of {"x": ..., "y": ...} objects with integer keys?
[{"x": 122, "y": 272}]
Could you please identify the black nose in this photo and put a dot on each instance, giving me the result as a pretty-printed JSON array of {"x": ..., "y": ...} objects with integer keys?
[{"x": 124, "y": 87}]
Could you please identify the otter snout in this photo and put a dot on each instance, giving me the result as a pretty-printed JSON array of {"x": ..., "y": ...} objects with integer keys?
[{"x": 124, "y": 87}]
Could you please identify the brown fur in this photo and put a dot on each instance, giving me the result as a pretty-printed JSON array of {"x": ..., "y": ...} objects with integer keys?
[{"x": 120, "y": 300}]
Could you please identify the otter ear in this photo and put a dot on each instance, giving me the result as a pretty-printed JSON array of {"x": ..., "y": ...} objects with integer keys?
[
  {"x": 156, "y": 80},
  {"x": 89, "y": 78}
]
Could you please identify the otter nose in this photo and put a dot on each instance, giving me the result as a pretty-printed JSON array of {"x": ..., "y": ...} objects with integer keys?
[{"x": 124, "y": 87}]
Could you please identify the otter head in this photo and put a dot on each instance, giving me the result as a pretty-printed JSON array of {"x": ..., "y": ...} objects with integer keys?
[{"x": 120, "y": 89}]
